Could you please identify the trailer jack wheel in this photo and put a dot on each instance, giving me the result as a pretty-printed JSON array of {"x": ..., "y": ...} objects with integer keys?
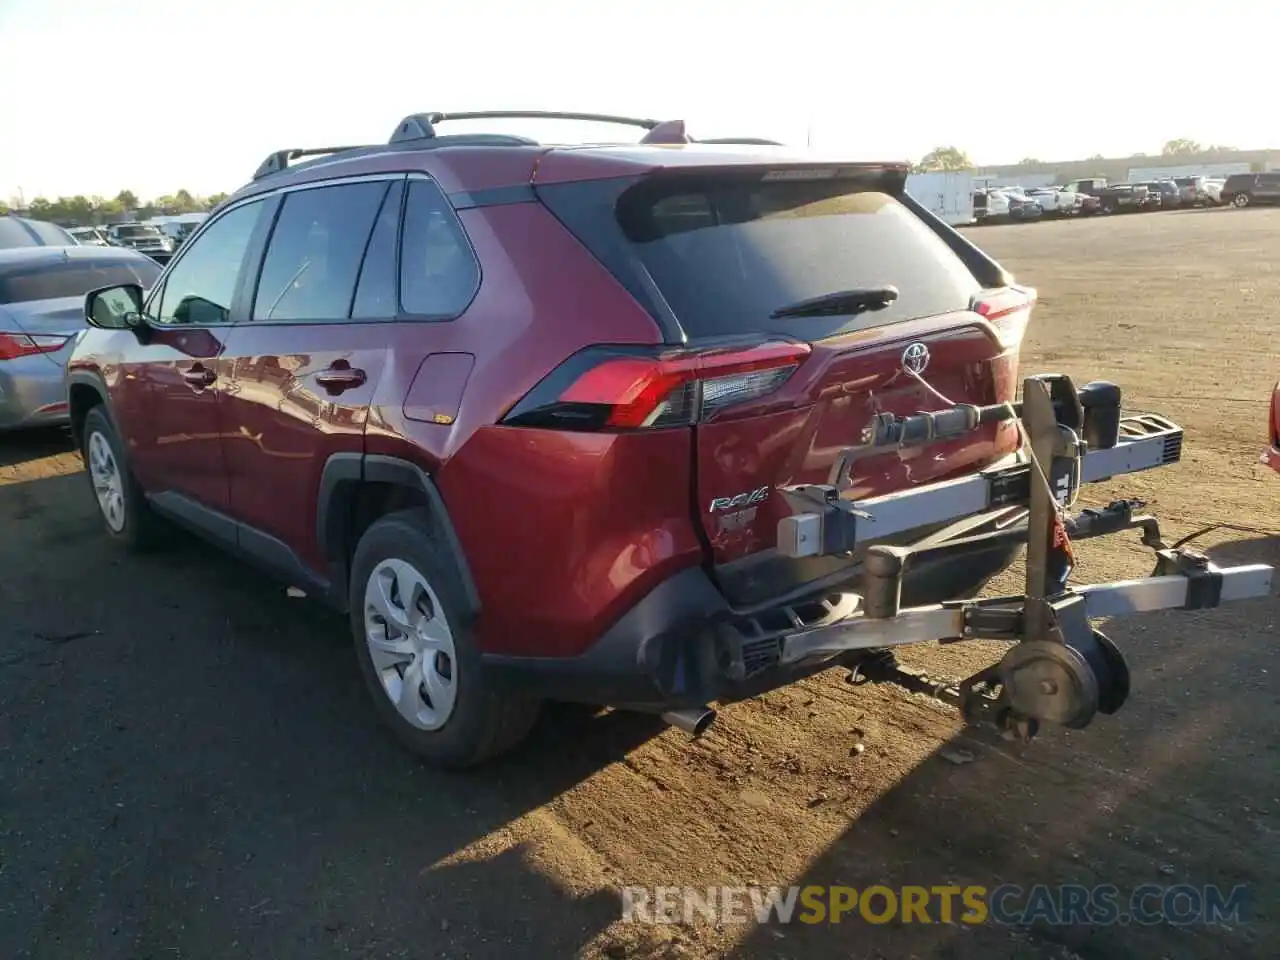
[{"x": 1065, "y": 684}]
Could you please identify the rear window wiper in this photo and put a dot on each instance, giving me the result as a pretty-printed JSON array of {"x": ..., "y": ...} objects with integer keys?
[{"x": 841, "y": 301}]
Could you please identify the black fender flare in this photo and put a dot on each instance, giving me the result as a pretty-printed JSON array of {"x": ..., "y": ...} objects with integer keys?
[
  {"x": 342, "y": 476},
  {"x": 94, "y": 381}
]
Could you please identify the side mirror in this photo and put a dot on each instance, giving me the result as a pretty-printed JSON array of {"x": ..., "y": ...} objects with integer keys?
[{"x": 114, "y": 308}]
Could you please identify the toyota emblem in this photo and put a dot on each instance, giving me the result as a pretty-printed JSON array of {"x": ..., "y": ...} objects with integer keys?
[{"x": 915, "y": 358}]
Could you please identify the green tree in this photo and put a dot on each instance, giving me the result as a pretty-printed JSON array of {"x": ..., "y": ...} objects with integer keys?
[
  {"x": 1030, "y": 162},
  {"x": 186, "y": 203},
  {"x": 127, "y": 199},
  {"x": 213, "y": 200},
  {"x": 944, "y": 158},
  {"x": 1180, "y": 148}
]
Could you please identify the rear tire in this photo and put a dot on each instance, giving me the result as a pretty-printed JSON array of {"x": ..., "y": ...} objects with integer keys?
[
  {"x": 416, "y": 652},
  {"x": 126, "y": 515},
  {"x": 1241, "y": 200}
]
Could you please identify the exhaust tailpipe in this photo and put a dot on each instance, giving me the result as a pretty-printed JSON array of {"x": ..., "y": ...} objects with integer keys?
[{"x": 694, "y": 721}]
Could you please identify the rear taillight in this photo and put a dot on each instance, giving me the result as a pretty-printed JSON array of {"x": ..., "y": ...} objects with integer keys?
[
  {"x": 1007, "y": 310},
  {"x": 620, "y": 388},
  {"x": 15, "y": 345}
]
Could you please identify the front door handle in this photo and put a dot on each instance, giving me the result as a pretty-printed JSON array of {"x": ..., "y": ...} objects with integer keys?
[
  {"x": 199, "y": 376},
  {"x": 336, "y": 378}
]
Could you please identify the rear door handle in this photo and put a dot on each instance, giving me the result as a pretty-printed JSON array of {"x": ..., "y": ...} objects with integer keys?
[
  {"x": 199, "y": 376},
  {"x": 336, "y": 379}
]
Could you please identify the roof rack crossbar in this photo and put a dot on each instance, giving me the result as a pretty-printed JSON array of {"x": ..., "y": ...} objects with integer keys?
[
  {"x": 280, "y": 159},
  {"x": 421, "y": 126}
]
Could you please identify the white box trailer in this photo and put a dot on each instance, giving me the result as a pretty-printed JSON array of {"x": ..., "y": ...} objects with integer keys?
[
  {"x": 947, "y": 195},
  {"x": 984, "y": 179}
]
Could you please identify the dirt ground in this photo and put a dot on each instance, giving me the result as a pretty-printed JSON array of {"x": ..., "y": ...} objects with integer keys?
[{"x": 189, "y": 767}]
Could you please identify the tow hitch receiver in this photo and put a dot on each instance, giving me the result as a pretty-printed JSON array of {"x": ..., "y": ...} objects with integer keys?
[{"x": 1059, "y": 669}]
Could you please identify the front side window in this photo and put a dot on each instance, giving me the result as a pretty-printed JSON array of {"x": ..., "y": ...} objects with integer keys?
[
  {"x": 315, "y": 252},
  {"x": 199, "y": 289}
]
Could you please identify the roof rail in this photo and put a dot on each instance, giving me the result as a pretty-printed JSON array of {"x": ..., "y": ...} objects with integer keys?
[
  {"x": 749, "y": 141},
  {"x": 280, "y": 159},
  {"x": 421, "y": 126}
]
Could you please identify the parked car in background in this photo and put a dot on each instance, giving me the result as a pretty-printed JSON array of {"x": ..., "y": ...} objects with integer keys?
[
  {"x": 1271, "y": 455},
  {"x": 1246, "y": 189},
  {"x": 42, "y": 293},
  {"x": 1057, "y": 202},
  {"x": 1162, "y": 194},
  {"x": 1112, "y": 198},
  {"x": 90, "y": 236},
  {"x": 1193, "y": 191},
  {"x": 990, "y": 206},
  {"x": 145, "y": 238},
  {"x": 1021, "y": 206},
  {"x": 21, "y": 232},
  {"x": 1213, "y": 189}
]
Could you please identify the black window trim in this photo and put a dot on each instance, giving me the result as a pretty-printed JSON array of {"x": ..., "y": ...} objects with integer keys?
[
  {"x": 260, "y": 253},
  {"x": 395, "y": 253},
  {"x": 156, "y": 297},
  {"x": 267, "y": 225}
]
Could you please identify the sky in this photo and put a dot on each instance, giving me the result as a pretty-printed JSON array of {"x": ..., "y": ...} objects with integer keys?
[{"x": 102, "y": 95}]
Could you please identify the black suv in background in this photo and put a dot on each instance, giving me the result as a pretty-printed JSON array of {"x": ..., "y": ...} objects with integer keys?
[
  {"x": 1161, "y": 195},
  {"x": 1244, "y": 189}
]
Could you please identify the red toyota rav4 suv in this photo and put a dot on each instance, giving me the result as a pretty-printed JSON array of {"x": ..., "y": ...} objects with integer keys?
[{"x": 521, "y": 410}]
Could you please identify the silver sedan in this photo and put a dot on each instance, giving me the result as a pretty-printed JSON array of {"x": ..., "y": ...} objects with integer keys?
[{"x": 41, "y": 311}]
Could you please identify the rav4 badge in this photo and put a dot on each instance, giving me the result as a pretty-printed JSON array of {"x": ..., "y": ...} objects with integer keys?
[{"x": 750, "y": 498}]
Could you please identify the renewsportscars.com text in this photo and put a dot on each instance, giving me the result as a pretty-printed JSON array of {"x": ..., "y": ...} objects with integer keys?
[{"x": 1008, "y": 904}]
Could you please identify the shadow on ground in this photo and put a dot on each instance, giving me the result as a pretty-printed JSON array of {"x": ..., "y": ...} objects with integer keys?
[
  {"x": 27, "y": 445},
  {"x": 1180, "y": 787},
  {"x": 192, "y": 769}
]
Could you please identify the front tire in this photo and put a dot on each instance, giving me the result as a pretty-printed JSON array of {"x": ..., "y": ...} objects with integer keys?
[
  {"x": 126, "y": 515},
  {"x": 416, "y": 652},
  {"x": 1240, "y": 200}
]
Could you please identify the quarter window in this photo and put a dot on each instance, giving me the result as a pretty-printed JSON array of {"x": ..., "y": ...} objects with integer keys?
[
  {"x": 315, "y": 252},
  {"x": 438, "y": 271},
  {"x": 201, "y": 285}
]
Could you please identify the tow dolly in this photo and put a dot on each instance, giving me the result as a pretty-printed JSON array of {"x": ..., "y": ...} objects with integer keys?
[{"x": 1059, "y": 669}]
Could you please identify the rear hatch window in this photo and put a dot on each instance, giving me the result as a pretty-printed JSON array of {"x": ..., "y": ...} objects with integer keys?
[
  {"x": 22, "y": 283},
  {"x": 726, "y": 250}
]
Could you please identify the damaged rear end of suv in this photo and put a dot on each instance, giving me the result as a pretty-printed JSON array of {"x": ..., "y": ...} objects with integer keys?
[{"x": 808, "y": 312}]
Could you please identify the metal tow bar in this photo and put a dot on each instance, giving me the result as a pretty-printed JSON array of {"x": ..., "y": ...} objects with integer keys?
[{"x": 1059, "y": 669}]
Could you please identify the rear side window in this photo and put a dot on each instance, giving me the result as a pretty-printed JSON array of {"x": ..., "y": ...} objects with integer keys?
[
  {"x": 315, "y": 252},
  {"x": 726, "y": 252},
  {"x": 439, "y": 275},
  {"x": 69, "y": 278}
]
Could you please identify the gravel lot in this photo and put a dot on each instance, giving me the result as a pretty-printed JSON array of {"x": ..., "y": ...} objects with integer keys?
[{"x": 189, "y": 767}]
